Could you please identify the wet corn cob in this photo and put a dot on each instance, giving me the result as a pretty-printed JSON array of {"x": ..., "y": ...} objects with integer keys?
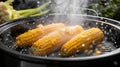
[
  {"x": 54, "y": 40},
  {"x": 82, "y": 41},
  {"x": 29, "y": 37}
]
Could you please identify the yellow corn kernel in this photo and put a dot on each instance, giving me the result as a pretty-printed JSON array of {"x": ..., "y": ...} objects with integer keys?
[
  {"x": 29, "y": 37},
  {"x": 54, "y": 40},
  {"x": 98, "y": 52},
  {"x": 82, "y": 41}
]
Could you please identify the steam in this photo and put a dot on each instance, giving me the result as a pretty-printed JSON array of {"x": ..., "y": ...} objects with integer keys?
[{"x": 70, "y": 8}]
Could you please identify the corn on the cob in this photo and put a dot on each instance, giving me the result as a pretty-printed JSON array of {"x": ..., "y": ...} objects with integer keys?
[
  {"x": 29, "y": 37},
  {"x": 82, "y": 41},
  {"x": 54, "y": 40}
]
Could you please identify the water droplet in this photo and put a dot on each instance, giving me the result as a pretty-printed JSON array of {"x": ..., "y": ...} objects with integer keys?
[
  {"x": 102, "y": 23},
  {"x": 93, "y": 42},
  {"x": 6, "y": 39},
  {"x": 91, "y": 46},
  {"x": 112, "y": 49},
  {"x": 83, "y": 45},
  {"x": 90, "y": 51},
  {"x": 102, "y": 27},
  {"x": 59, "y": 54},
  {"x": 96, "y": 23},
  {"x": 110, "y": 30},
  {"x": 46, "y": 16},
  {"x": 107, "y": 33},
  {"x": 27, "y": 23},
  {"x": 38, "y": 2},
  {"x": 10, "y": 41},
  {"x": 115, "y": 42},
  {"x": 33, "y": 23},
  {"x": 52, "y": 54},
  {"x": 43, "y": 21},
  {"x": 72, "y": 56},
  {"x": 46, "y": 56},
  {"x": 8, "y": 34},
  {"x": 106, "y": 26},
  {"x": 65, "y": 50},
  {"x": 115, "y": 63},
  {"x": 77, "y": 51}
]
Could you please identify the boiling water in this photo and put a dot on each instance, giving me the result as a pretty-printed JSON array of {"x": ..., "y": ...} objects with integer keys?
[
  {"x": 10, "y": 44},
  {"x": 104, "y": 47}
]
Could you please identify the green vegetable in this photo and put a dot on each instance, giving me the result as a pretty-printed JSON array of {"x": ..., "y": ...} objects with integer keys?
[
  {"x": 7, "y": 12},
  {"x": 107, "y": 8}
]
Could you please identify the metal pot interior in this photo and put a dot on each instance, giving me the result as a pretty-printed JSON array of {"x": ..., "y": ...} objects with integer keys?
[{"x": 9, "y": 31}]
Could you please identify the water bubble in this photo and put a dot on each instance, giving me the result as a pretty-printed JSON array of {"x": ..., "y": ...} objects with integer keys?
[
  {"x": 42, "y": 18},
  {"x": 6, "y": 39},
  {"x": 59, "y": 2},
  {"x": 83, "y": 45},
  {"x": 96, "y": 23},
  {"x": 112, "y": 39},
  {"x": 105, "y": 27},
  {"x": 45, "y": 56},
  {"x": 93, "y": 42},
  {"x": 43, "y": 21},
  {"x": 91, "y": 46},
  {"x": 72, "y": 56},
  {"x": 102, "y": 23},
  {"x": 110, "y": 30},
  {"x": 21, "y": 52},
  {"x": 10, "y": 41},
  {"x": 102, "y": 27},
  {"x": 115, "y": 63},
  {"x": 38, "y": 2},
  {"x": 77, "y": 51},
  {"x": 107, "y": 33},
  {"x": 14, "y": 47},
  {"x": 101, "y": 18},
  {"x": 52, "y": 54},
  {"x": 112, "y": 49},
  {"x": 8, "y": 34},
  {"x": 28, "y": 23},
  {"x": 33, "y": 23},
  {"x": 115, "y": 42},
  {"x": 46, "y": 16},
  {"x": 59, "y": 54}
]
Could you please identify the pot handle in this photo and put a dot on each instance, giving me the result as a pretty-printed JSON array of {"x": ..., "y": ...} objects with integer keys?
[{"x": 89, "y": 11}]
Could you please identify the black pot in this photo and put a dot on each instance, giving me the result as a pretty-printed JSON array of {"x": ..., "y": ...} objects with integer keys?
[{"x": 11, "y": 55}]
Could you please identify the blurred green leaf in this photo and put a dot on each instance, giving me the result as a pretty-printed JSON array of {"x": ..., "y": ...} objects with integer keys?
[{"x": 107, "y": 8}]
